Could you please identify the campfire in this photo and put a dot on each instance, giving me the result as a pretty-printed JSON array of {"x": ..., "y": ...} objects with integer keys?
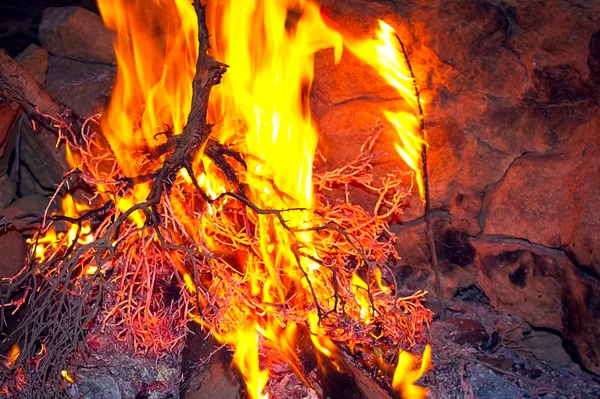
[
  {"x": 366, "y": 199},
  {"x": 194, "y": 199}
]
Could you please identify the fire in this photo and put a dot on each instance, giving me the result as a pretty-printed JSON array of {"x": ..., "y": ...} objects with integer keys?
[
  {"x": 246, "y": 357},
  {"x": 388, "y": 59},
  {"x": 156, "y": 49},
  {"x": 258, "y": 268},
  {"x": 405, "y": 377},
  {"x": 261, "y": 109},
  {"x": 12, "y": 356}
]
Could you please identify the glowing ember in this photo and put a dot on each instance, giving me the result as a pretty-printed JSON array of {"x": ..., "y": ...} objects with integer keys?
[{"x": 260, "y": 260}]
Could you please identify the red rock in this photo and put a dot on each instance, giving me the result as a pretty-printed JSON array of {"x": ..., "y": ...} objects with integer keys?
[
  {"x": 552, "y": 201},
  {"x": 455, "y": 258},
  {"x": 8, "y": 116},
  {"x": 84, "y": 87},
  {"x": 19, "y": 224},
  {"x": 8, "y": 188},
  {"x": 217, "y": 381},
  {"x": 464, "y": 212},
  {"x": 34, "y": 203},
  {"x": 468, "y": 332}
]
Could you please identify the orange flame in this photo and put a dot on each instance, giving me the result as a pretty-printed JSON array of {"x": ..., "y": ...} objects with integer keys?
[
  {"x": 156, "y": 49},
  {"x": 260, "y": 110},
  {"x": 12, "y": 356}
]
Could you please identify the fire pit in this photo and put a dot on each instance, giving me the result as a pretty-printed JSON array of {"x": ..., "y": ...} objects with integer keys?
[{"x": 302, "y": 199}]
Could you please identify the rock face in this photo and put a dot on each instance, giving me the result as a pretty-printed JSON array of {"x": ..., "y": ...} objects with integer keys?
[
  {"x": 34, "y": 60},
  {"x": 86, "y": 88},
  {"x": 76, "y": 33},
  {"x": 511, "y": 92},
  {"x": 558, "y": 208}
]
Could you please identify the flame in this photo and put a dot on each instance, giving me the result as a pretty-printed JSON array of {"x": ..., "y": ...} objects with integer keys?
[
  {"x": 261, "y": 110},
  {"x": 405, "y": 377},
  {"x": 53, "y": 239},
  {"x": 385, "y": 56},
  {"x": 156, "y": 49},
  {"x": 360, "y": 290},
  {"x": 246, "y": 357},
  {"x": 12, "y": 356},
  {"x": 65, "y": 374}
]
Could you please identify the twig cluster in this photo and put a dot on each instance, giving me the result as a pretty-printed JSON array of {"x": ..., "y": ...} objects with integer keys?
[{"x": 147, "y": 254}]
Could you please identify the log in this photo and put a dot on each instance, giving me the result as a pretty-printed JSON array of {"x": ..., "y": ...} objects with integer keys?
[
  {"x": 39, "y": 152},
  {"x": 18, "y": 85}
]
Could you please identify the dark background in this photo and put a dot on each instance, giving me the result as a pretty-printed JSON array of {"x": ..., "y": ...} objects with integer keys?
[{"x": 19, "y": 20}]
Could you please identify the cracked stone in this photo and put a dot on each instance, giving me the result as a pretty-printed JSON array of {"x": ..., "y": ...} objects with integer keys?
[
  {"x": 550, "y": 201},
  {"x": 455, "y": 257},
  {"x": 35, "y": 60},
  {"x": 13, "y": 251}
]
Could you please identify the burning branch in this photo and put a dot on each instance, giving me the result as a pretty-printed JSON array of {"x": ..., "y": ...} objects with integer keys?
[
  {"x": 427, "y": 191},
  {"x": 18, "y": 85},
  {"x": 197, "y": 131}
]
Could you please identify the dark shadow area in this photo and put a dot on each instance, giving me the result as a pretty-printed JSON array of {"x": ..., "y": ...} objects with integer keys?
[{"x": 19, "y": 21}]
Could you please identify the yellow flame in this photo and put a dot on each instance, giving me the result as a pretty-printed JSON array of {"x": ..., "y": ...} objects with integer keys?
[
  {"x": 246, "y": 358},
  {"x": 360, "y": 289},
  {"x": 261, "y": 109},
  {"x": 385, "y": 56},
  {"x": 65, "y": 374},
  {"x": 405, "y": 376},
  {"x": 156, "y": 49}
]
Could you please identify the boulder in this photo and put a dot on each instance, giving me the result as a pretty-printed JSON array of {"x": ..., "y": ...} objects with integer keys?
[
  {"x": 76, "y": 33},
  {"x": 8, "y": 189},
  {"x": 35, "y": 60},
  {"x": 464, "y": 211},
  {"x": 414, "y": 270},
  {"x": 84, "y": 87},
  {"x": 9, "y": 113},
  {"x": 34, "y": 204}
]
